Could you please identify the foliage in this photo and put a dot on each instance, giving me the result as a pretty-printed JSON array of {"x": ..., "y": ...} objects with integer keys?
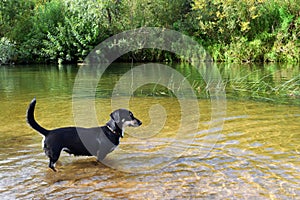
[
  {"x": 232, "y": 31},
  {"x": 14, "y": 16},
  {"x": 248, "y": 31},
  {"x": 76, "y": 35},
  {"x": 7, "y": 51}
]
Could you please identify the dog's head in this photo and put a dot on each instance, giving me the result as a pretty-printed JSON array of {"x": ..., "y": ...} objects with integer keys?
[{"x": 124, "y": 118}]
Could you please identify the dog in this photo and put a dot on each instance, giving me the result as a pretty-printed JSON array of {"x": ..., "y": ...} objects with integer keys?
[{"x": 97, "y": 141}]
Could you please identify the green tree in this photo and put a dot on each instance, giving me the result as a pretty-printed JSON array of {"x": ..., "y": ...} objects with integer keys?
[
  {"x": 248, "y": 30},
  {"x": 86, "y": 23},
  {"x": 16, "y": 24},
  {"x": 14, "y": 16}
]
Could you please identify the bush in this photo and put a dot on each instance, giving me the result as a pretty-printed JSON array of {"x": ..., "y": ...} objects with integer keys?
[
  {"x": 7, "y": 51},
  {"x": 249, "y": 31},
  {"x": 84, "y": 26}
]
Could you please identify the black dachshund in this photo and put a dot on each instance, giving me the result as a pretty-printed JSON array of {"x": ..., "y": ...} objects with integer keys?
[{"x": 97, "y": 141}]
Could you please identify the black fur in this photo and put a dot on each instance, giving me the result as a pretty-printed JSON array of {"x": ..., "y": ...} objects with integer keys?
[{"x": 97, "y": 141}]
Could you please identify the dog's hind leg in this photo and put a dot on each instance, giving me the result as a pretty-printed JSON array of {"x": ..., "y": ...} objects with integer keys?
[
  {"x": 52, "y": 164},
  {"x": 53, "y": 155}
]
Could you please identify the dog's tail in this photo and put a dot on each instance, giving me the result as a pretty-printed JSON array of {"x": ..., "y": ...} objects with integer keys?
[{"x": 31, "y": 121}]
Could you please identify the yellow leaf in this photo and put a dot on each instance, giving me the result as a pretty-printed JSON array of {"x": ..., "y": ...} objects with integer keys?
[{"x": 245, "y": 26}]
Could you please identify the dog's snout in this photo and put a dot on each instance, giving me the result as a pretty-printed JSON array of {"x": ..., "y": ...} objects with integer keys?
[{"x": 139, "y": 122}]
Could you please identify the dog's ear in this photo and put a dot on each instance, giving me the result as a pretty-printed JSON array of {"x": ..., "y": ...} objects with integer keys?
[{"x": 115, "y": 116}]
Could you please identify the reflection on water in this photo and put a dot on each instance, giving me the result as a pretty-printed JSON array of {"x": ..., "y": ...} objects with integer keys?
[{"x": 257, "y": 155}]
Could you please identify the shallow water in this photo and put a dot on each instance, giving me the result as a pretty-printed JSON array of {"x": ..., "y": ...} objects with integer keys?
[{"x": 257, "y": 154}]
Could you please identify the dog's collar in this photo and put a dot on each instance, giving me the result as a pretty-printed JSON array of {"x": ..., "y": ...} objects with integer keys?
[{"x": 112, "y": 130}]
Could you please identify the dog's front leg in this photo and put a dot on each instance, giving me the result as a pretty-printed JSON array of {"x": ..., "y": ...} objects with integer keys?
[{"x": 100, "y": 155}]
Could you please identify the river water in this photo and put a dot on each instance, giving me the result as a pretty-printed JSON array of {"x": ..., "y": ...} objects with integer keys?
[{"x": 256, "y": 154}]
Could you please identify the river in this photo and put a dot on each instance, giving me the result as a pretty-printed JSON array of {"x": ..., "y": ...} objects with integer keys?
[{"x": 254, "y": 155}]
